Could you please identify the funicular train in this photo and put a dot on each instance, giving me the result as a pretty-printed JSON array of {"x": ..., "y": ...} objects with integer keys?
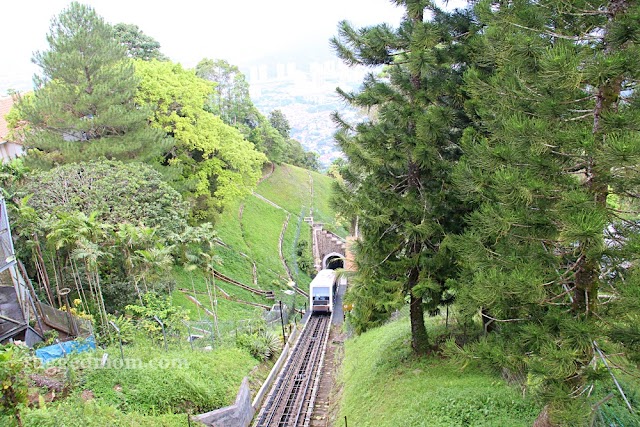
[{"x": 322, "y": 290}]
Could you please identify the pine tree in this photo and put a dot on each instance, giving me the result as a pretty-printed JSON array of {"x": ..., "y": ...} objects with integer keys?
[
  {"x": 556, "y": 105},
  {"x": 398, "y": 180},
  {"x": 83, "y": 106}
]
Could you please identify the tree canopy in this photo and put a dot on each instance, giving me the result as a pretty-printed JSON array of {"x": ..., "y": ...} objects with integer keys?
[
  {"x": 400, "y": 162},
  {"x": 137, "y": 44},
  {"x": 499, "y": 168},
  {"x": 555, "y": 97},
  {"x": 216, "y": 164},
  {"x": 117, "y": 192},
  {"x": 83, "y": 106},
  {"x": 230, "y": 100}
]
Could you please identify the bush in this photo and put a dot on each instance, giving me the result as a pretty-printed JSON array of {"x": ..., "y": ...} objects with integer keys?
[
  {"x": 262, "y": 345},
  {"x": 170, "y": 382},
  {"x": 13, "y": 382},
  {"x": 76, "y": 413}
]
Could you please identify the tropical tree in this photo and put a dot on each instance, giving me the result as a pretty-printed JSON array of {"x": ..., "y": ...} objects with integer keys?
[
  {"x": 133, "y": 239},
  {"x": 280, "y": 123},
  {"x": 83, "y": 106},
  {"x": 83, "y": 225},
  {"x": 81, "y": 237},
  {"x": 137, "y": 44},
  {"x": 213, "y": 164},
  {"x": 230, "y": 100},
  {"x": 119, "y": 192},
  {"x": 400, "y": 162}
]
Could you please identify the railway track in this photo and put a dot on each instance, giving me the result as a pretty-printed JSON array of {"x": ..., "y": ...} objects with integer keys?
[{"x": 290, "y": 401}]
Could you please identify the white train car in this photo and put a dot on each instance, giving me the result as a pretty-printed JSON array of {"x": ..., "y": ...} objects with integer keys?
[{"x": 322, "y": 290}]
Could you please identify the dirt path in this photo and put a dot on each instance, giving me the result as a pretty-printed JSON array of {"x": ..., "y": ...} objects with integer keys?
[{"x": 280, "y": 249}]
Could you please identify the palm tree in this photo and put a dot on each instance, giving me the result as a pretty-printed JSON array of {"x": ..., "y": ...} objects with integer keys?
[
  {"x": 80, "y": 236},
  {"x": 133, "y": 238},
  {"x": 30, "y": 226},
  {"x": 153, "y": 263},
  {"x": 207, "y": 261},
  {"x": 90, "y": 252}
]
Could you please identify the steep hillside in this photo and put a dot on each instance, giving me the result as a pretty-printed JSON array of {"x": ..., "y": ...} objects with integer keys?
[
  {"x": 250, "y": 232},
  {"x": 384, "y": 385}
]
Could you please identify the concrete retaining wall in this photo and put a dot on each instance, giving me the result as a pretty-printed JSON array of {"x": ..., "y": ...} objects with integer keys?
[
  {"x": 242, "y": 411},
  {"x": 239, "y": 414}
]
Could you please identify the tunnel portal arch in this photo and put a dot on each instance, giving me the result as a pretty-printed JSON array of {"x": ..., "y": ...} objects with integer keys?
[{"x": 333, "y": 261}]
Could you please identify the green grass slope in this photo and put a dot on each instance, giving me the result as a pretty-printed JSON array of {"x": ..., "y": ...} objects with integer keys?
[
  {"x": 250, "y": 230},
  {"x": 384, "y": 385},
  {"x": 298, "y": 190},
  {"x": 289, "y": 187},
  {"x": 154, "y": 387}
]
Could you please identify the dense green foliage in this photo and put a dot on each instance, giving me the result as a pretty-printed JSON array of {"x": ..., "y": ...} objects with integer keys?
[
  {"x": 200, "y": 381},
  {"x": 83, "y": 105},
  {"x": 557, "y": 135},
  {"x": 128, "y": 154},
  {"x": 109, "y": 231},
  {"x": 137, "y": 44},
  {"x": 156, "y": 387},
  {"x": 117, "y": 192},
  {"x": 499, "y": 169},
  {"x": 74, "y": 412},
  {"x": 230, "y": 100},
  {"x": 214, "y": 162},
  {"x": 13, "y": 384}
]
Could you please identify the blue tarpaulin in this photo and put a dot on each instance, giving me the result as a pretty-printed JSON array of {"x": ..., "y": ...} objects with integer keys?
[{"x": 56, "y": 351}]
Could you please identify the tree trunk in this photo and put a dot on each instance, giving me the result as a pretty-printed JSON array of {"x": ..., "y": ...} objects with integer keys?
[
  {"x": 42, "y": 269},
  {"x": 488, "y": 324},
  {"x": 419, "y": 337},
  {"x": 587, "y": 282},
  {"x": 543, "y": 419}
]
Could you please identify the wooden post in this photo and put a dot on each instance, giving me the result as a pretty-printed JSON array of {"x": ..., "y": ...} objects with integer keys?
[{"x": 284, "y": 336}]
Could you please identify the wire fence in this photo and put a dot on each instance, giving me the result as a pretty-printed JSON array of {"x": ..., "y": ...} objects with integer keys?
[{"x": 195, "y": 334}]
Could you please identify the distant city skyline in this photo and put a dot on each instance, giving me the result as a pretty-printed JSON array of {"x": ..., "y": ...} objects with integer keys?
[
  {"x": 190, "y": 30},
  {"x": 243, "y": 33}
]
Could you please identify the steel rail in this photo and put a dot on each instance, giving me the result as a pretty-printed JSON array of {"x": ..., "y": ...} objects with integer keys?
[{"x": 290, "y": 396}]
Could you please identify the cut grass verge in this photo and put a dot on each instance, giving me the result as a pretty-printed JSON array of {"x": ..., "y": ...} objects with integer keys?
[{"x": 384, "y": 385}]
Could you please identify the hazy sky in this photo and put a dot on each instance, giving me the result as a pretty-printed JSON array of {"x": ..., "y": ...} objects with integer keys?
[{"x": 189, "y": 30}]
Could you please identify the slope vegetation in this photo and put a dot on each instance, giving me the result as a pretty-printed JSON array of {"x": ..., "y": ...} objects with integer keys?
[
  {"x": 253, "y": 232},
  {"x": 383, "y": 385}
]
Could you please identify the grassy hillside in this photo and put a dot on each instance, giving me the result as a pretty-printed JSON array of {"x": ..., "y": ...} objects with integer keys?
[
  {"x": 289, "y": 187},
  {"x": 385, "y": 386},
  {"x": 250, "y": 230},
  {"x": 155, "y": 391}
]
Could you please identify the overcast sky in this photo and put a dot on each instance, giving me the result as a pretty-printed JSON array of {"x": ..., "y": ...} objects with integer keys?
[{"x": 239, "y": 31}]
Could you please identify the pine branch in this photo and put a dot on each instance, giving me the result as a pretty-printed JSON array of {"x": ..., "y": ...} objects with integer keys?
[{"x": 583, "y": 38}]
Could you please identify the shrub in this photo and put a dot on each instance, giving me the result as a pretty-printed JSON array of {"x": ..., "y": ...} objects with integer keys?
[{"x": 262, "y": 344}]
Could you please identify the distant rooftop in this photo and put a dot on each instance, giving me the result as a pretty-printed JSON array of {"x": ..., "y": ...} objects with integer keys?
[{"x": 6, "y": 102}]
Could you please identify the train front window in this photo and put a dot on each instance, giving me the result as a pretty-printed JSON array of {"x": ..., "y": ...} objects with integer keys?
[{"x": 321, "y": 295}]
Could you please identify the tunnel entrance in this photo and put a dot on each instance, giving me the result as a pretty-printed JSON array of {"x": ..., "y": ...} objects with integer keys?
[{"x": 333, "y": 261}]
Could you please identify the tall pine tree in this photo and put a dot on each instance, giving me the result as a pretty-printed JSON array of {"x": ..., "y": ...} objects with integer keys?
[
  {"x": 83, "y": 106},
  {"x": 399, "y": 175},
  {"x": 553, "y": 165}
]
